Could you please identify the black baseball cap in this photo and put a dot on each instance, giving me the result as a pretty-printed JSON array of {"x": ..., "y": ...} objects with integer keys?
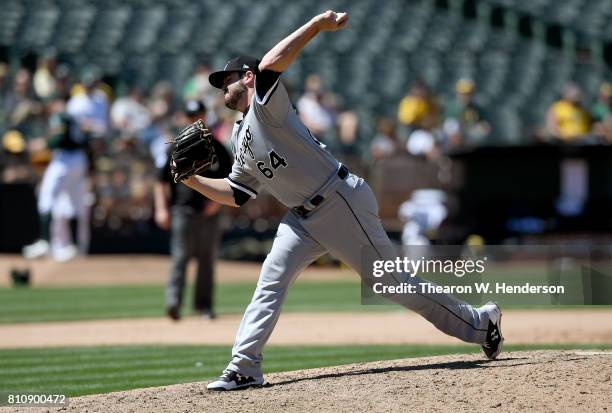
[
  {"x": 238, "y": 64},
  {"x": 194, "y": 107}
]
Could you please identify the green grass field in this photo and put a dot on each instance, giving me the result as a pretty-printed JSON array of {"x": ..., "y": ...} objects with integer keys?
[
  {"x": 91, "y": 370},
  {"x": 25, "y": 305},
  {"x": 22, "y": 305}
]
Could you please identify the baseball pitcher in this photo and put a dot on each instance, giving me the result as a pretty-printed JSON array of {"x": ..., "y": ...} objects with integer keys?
[{"x": 329, "y": 209}]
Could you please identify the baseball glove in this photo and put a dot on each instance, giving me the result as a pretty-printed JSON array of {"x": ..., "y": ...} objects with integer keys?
[{"x": 193, "y": 152}]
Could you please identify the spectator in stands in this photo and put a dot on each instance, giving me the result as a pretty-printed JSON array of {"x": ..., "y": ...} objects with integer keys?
[
  {"x": 464, "y": 121},
  {"x": 602, "y": 113},
  {"x": 45, "y": 85},
  {"x": 194, "y": 224},
  {"x": 567, "y": 120},
  {"x": 385, "y": 143},
  {"x": 161, "y": 106},
  {"x": 222, "y": 129},
  {"x": 162, "y": 103},
  {"x": 22, "y": 111},
  {"x": 4, "y": 71},
  {"x": 314, "y": 107},
  {"x": 415, "y": 107},
  {"x": 424, "y": 140},
  {"x": 344, "y": 141},
  {"x": 129, "y": 114},
  {"x": 198, "y": 87},
  {"x": 63, "y": 81},
  {"x": 4, "y": 90},
  {"x": 15, "y": 166}
]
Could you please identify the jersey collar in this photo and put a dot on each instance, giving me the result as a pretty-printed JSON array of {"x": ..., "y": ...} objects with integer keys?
[{"x": 239, "y": 121}]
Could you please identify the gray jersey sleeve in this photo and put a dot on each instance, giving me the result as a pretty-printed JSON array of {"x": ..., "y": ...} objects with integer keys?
[
  {"x": 272, "y": 105},
  {"x": 243, "y": 181}
]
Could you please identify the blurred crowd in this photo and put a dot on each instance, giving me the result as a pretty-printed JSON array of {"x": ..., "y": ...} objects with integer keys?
[
  {"x": 128, "y": 129},
  {"x": 427, "y": 127},
  {"x": 129, "y": 126},
  {"x": 570, "y": 120}
]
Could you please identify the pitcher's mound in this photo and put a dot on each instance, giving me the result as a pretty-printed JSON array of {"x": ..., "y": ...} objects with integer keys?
[{"x": 518, "y": 381}]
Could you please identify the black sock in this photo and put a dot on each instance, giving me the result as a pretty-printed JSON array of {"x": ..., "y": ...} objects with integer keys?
[
  {"x": 45, "y": 227},
  {"x": 74, "y": 225}
]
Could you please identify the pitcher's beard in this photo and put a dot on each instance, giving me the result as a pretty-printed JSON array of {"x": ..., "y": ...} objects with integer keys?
[{"x": 234, "y": 96}]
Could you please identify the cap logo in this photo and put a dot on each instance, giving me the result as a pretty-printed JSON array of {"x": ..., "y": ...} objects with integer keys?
[
  {"x": 226, "y": 65},
  {"x": 245, "y": 66}
]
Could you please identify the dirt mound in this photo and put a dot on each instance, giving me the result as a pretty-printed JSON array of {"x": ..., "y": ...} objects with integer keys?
[{"x": 519, "y": 381}]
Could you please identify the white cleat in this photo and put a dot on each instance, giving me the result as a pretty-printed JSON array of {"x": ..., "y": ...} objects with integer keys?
[
  {"x": 66, "y": 253},
  {"x": 230, "y": 380},
  {"x": 38, "y": 249},
  {"x": 494, "y": 341}
]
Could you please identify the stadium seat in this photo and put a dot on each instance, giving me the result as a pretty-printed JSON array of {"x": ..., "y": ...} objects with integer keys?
[
  {"x": 73, "y": 27},
  {"x": 142, "y": 28},
  {"x": 108, "y": 28},
  {"x": 176, "y": 68},
  {"x": 37, "y": 26},
  {"x": 370, "y": 66},
  {"x": 10, "y": 15}
]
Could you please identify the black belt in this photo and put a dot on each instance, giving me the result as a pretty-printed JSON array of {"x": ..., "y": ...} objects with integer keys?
[{"x": 302, "y": 211}]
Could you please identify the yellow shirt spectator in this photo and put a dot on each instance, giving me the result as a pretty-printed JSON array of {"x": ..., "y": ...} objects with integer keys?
[
  {"x": 413, "y": 109},
  {"x": 418, "y": 107},
  {"x": 571, "y": 120}
]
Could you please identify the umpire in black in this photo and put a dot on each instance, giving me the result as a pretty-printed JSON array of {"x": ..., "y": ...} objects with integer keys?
[{"x": 194, "y": 224}]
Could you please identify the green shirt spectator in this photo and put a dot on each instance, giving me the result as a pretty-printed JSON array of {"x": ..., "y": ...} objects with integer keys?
[
  {"x": 464, "y": 121},
  {"x": 602, "y": 113},
  {"x": 602, "y": 109}
]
